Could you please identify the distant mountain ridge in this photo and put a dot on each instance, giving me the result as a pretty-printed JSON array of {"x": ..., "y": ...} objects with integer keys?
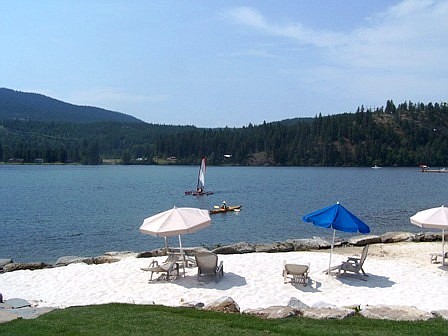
[{"x": 25, "y": 106}]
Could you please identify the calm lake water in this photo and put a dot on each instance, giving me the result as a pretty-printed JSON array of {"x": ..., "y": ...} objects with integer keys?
[{"x": 52, "y": 211}]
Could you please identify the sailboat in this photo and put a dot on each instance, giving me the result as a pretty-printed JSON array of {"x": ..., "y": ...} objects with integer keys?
[{"x": 200, "y": 187}]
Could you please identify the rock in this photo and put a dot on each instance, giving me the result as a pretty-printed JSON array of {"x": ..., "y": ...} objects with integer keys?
[
  {"x": 24, "y": 266},
  {"x": 316, "y": 243},
  {"x": 274, "y": 312},
  {"x": 429, "y": 236},
  {"x": 4, "y": 262},
  {"x": 297, "y": 304},
  {"x": 6, "y": 316},
  {"x": 274, "y": 247},
  {"x": 120, "y": 254},
  {"x": 395, "y": 313},
  {"x": 224, "y": 304},
  {"x": 15, "y": 303},
  {"x": 364, "y": 240},
  {"x": 67, "y": 260},
  {"x": 328, "y": 313},
  {"x": 441, "y": 313},
  {"x": 237, "y": 248},
  {"x": 192, "y": 304},
  {"x": 145, "y": 254},
  {"x": 105, "y": 260},
  {"x": 395, "y": 237}
]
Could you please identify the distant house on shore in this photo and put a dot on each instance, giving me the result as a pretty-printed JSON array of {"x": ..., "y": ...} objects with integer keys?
[{"x": 16, "y": 160}]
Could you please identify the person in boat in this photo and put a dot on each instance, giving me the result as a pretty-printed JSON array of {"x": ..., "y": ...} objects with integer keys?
[
  {"x": 199, "y": 190},
  {"x": 224, "y": 205}
]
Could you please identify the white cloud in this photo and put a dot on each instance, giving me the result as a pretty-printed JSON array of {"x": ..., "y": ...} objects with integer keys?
[
  {"x": 399, "y": 53},
  {"x": 251, "y": 17}
]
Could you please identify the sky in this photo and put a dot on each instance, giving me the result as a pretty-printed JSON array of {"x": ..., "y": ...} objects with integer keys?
[{"x": 226, "y": 63}]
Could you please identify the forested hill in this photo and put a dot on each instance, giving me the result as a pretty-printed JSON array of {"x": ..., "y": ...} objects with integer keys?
[
  {"x": 16, "y": 105},
  {"x": 407, "y": 134}
]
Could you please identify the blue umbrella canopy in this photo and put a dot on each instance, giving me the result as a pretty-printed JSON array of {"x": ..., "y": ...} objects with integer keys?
[{"x": 338, "y": 218}]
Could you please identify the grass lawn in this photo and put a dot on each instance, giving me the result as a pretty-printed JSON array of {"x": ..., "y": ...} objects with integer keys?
[{"x": 127, "y": 319}]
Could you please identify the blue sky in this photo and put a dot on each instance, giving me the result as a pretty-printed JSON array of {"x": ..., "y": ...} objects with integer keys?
[{"x": 226, "y": 63}]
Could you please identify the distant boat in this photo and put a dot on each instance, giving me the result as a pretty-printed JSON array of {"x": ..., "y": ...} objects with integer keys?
[
  {"x": 228, "y": 208},
  {"x": 376, "y": 167},
  {"x": 200, "y": 187}
]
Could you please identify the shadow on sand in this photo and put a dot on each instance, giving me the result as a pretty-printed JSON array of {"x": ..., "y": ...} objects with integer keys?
[
  {"x": 229, "y": 280},
  {"x": 371, "y": 281}
]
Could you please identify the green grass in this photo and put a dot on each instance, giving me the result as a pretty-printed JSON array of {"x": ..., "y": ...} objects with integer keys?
[{"x": 127, "y": 319}]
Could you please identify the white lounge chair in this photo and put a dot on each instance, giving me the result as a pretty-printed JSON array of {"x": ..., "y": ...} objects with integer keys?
[
  {"x": 436, "y": 255},
  {"x": 354, "y": 264},
  {"x": 298, "y": 273},
  {"x": 169, "y": 270},
  {"x": 208, "y": 265}
]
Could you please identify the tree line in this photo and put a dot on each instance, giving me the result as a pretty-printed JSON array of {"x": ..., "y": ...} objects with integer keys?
[{"x": 407, "y": 134}]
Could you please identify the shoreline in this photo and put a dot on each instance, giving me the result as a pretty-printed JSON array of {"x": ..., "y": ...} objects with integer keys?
[
  {"x": 314, "y": 244},
  {"x": 398, "y": 275}
]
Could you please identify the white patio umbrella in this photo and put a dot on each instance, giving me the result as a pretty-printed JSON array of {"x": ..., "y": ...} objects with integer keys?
[
  {"x": 434, "y": 218},
  {"x": 175, "y": 222}
]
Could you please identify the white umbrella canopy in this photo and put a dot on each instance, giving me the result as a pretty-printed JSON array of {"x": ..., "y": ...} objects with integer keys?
[
  {"x": 175, "y": 222},
  {"x": 434, "y": 218}
]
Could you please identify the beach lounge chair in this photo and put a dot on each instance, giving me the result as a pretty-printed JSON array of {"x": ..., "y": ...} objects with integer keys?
[
  {"x": 298, "y": 273},
  {"x": 180, "y": 258},
  {"x": 208, "y": 265},
  {"x": 169, "y": 270},
  {"x": 435, "y": 256},
  {"x": 354, "y": 264}
]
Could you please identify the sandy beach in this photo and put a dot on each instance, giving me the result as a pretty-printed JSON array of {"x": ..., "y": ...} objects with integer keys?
[{"x": 398, "y": 274}]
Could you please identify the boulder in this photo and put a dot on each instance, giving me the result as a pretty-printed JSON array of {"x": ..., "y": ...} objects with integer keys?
[
  {"x": 4, "y": 262},
  {"x": 120, "y": 254},
  {"x": 145, "y": 254},
  {"x": 224, "y": 304},
  {"x": 237, "y": 248},
  {"x": 327, "y": 313},
  {"x": 274, "y": 247},
  {"x": 7, "y": 316},
  {"x": 429, "y": 236},
  {"x": 192, "y": 304},
  {"x": 396, "y": 237},
  {"x": 364, "y": 240},
  {"x": 316, "y": 243},
  {"x": 297, "y": 304},
  {"x": 105, "y": 260},
  {"x": 67, "y": 260},
  {"x": 441, "y": 314},
  {"x": 24, "y": 266},
  {"x": 395, "y": 313},
  {"x": 274, "y": 312}
]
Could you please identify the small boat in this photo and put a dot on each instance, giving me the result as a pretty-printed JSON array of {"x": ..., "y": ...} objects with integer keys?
[
  {"x": 200, "y": 187},
  {"x": 228, "y": 208},
  {"x": 376, "y": 167}
]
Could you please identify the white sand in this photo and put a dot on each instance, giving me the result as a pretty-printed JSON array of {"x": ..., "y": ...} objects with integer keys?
[{"x": 399, "y": 274}]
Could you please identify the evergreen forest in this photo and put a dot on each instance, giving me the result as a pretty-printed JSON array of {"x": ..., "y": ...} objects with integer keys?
[{"x": 407, "y": 134}]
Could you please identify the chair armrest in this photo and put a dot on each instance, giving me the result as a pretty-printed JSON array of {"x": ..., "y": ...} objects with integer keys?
[{"x": 219, "y": 267}]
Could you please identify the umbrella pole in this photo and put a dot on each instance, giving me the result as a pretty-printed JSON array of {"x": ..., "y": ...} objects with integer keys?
[
  {"x": 331, "y": 251},
  {"x": 443, "y": 247},
  {"x": 182, "y": 255}
]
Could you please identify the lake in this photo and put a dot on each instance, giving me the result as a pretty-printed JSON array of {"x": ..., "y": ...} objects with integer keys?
[{"x": 48, "y": 211}]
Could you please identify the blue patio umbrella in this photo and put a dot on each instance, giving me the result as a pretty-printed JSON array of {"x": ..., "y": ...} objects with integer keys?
[{"x": 338, "y": 218}]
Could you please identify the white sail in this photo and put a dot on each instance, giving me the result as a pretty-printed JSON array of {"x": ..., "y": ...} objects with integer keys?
[{"x": 201, "y": 177}]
